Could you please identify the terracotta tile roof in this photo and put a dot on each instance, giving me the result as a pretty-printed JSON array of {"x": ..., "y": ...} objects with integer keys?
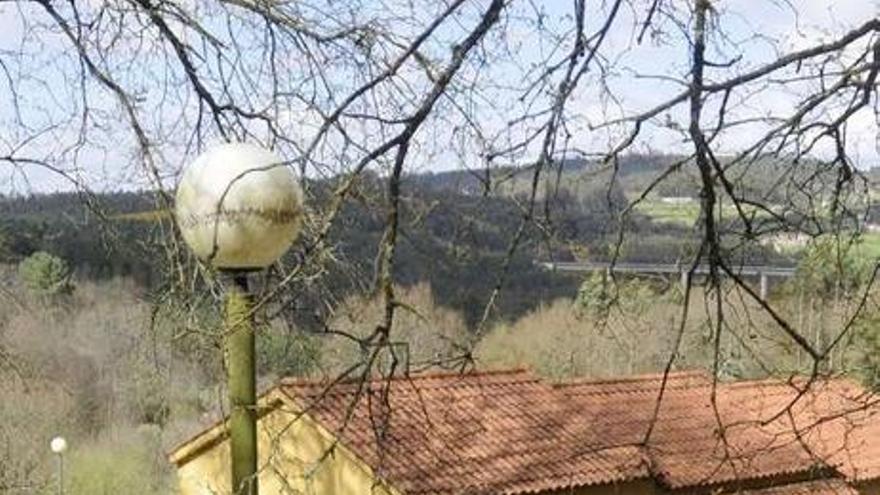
[
  {"x": 821, "y": 487},
  {"x": 509, "y": 432},
  {"x": 751, "y": 430},
  {"x": 476, "y": 433}
]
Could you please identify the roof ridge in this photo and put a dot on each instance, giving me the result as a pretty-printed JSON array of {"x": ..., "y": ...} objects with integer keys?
[
  {"x": 643, "y": 377},
  {"x": 418, "y": 376}
]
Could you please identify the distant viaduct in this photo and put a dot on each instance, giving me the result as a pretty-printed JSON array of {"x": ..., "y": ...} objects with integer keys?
[{"x": 761, "y": 272}]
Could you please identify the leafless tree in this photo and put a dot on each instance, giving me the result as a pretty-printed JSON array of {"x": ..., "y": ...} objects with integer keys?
[{"x": 126, "y": 91}]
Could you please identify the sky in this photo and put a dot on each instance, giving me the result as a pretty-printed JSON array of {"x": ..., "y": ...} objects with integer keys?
[
  {"x": 638, "y": 76},
  {"x": 758, "y": 31}
]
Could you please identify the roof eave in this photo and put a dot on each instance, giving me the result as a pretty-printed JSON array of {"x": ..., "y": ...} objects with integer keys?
[{"x": 219, "y": 431}]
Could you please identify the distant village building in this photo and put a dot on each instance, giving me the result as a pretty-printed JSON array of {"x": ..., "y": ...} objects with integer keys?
[
  {"x": 787, "y": 241},
  {"x": 676, "y": 200},
  {"x": 512, "y": 433}
]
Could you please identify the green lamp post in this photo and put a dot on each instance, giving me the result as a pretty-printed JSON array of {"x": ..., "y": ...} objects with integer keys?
[{"x": 239, "y": 208}]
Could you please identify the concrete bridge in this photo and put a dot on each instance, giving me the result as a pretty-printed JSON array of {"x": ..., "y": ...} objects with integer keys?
[{"x": 762, "y": 272}]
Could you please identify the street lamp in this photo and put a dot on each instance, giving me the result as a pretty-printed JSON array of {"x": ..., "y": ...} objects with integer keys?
[
  {"x": 239, "y": 208},
  {"x": 59, "y": 446}
]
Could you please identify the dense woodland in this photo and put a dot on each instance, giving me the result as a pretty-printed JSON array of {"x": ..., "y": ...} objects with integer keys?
[{"x": 454, "y": 231}]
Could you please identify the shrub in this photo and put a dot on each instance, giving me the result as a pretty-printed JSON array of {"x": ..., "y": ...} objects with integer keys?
[
  {"x": 423, "y": 332},
  {"x": 30, "y": 414},
  {"x": 287, "y": 353},
  {"x": 45, "y": 274},
  {"x": 125, "y": 461}
]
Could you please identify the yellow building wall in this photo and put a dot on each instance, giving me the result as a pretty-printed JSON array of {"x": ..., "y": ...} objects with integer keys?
[{"x": 305, "y": 466}]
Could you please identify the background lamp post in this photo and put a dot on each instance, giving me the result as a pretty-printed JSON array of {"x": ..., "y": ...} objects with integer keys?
[
  {"x": 239, "y": 208},
  {"x": 59, "y": 446}
]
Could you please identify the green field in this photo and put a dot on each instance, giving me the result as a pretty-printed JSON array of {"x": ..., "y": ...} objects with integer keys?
[
  {"x": 869, "y": 247},
  {"x": 686, "y": 214},
  {"x": 143, "y": 216}
]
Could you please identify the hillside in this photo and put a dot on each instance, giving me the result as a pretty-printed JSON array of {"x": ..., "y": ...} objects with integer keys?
[{"x": 456, "y": 230}]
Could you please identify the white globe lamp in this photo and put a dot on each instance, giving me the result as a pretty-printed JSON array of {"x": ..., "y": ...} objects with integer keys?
[
  {"x": 58, "y": 445},
  {"x": 239, "y": 206}
]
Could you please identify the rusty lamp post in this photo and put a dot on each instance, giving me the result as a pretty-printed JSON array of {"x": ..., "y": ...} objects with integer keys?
[{"x": 239, "y": 208}]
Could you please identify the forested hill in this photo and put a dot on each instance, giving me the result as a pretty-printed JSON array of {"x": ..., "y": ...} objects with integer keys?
[
  {"x": 634, "y": 169},
  {"x": 456, "y": 228}
]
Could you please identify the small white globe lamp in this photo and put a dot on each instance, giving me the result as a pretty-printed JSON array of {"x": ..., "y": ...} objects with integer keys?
[
  {"x": 239, "y": 208},
  {"x": 59, "y": 447}
]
